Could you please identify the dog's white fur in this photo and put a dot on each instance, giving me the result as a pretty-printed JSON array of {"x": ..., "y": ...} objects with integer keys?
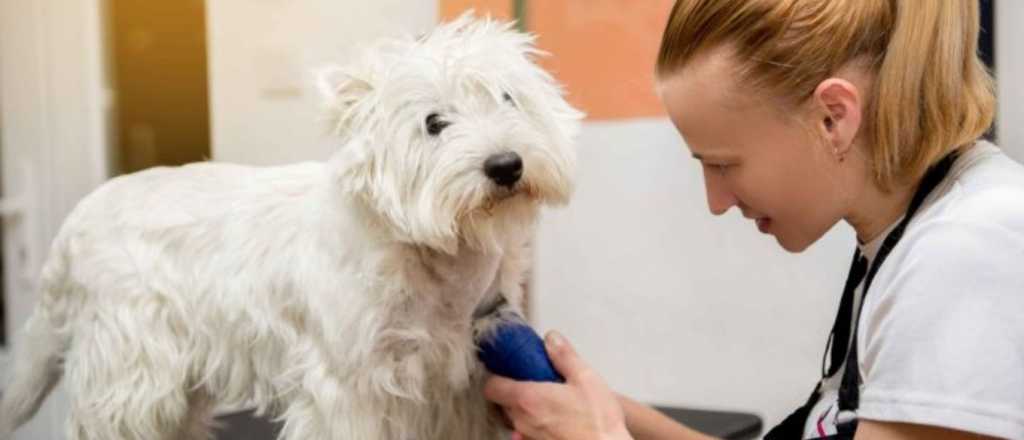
[{"x": 337, "y": 296}]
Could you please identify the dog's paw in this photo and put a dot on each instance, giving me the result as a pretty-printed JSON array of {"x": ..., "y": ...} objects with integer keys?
[{"x": 491, "y": 317}]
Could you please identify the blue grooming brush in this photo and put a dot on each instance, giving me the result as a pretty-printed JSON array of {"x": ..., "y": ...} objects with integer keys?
[{"x": 515, "y": 351}]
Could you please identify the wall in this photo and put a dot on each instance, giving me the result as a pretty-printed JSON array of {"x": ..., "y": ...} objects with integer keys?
[
  {"x": 55, "y": 100},
  {"x": 604, "y": 51},
  {"x": 262, "y": 54},
  {"x": 1010, "y": 68}
]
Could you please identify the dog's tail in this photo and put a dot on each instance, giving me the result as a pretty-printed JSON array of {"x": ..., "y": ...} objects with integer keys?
[{"x": 35, "y": 370}]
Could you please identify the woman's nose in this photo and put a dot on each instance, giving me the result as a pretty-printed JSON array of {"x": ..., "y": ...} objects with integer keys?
[{"x": 720, "y": 198}]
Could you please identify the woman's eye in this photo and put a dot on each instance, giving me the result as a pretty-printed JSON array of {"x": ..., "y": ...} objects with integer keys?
[
  {"x": 435, "y": 125},
  {"x": 720, "y": 168}
]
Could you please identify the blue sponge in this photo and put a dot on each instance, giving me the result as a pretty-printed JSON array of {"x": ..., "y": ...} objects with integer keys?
[{"x": 515, "y": 351}]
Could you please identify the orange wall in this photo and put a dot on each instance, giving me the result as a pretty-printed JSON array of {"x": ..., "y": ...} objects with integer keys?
[{"x": 602, "y": 50}]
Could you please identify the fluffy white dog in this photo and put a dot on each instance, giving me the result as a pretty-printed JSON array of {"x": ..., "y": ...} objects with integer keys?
[{"x": 337, "y": 296}]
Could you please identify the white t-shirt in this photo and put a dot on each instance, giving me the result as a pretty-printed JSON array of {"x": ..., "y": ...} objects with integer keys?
[{"x": 941, "y": 340}]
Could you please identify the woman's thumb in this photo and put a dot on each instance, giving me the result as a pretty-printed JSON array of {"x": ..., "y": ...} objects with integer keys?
[{"x": 562, "y": 355}]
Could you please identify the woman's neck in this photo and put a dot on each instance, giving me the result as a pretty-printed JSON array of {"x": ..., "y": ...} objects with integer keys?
[{"x": 876, "y": 210}]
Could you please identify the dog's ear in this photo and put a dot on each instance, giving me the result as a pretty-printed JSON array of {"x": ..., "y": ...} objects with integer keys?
[{"x": 343, "y": 92}]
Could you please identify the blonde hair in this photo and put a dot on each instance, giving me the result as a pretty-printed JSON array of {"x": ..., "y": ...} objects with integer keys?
[{"x": 930, "y": 95}]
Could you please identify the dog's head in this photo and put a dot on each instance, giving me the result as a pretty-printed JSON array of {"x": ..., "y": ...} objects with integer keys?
[{"x": 452, "y": 136}]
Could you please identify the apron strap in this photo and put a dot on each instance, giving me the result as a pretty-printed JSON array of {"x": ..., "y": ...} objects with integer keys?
[
  {"x": 839, "y": 339},
  {"x": 792, "y": 427}
]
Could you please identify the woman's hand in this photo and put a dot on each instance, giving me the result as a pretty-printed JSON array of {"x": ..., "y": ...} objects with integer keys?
[{"x": 581, "y": 409}]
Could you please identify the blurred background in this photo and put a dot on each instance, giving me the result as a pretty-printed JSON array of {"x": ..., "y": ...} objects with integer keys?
[{"x": 672, "y": 305}]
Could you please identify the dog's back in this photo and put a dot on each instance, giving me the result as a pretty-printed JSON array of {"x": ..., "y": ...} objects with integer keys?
[{"x": 112, "y": 250}]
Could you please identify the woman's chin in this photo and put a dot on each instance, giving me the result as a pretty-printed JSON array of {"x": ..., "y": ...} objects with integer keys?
[{"x": 792, "y": 244}]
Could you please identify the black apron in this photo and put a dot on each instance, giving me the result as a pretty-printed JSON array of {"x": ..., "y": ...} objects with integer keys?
[{"x": 839, "y": 345}]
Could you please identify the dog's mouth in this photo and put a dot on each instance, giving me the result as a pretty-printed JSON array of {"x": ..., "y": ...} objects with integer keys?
[
  {"x": 500, "y": 194},
  {"x": 495, "y": 198}
]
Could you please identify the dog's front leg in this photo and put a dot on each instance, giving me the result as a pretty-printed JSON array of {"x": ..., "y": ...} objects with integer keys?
[{"x": 322, "y": 409}]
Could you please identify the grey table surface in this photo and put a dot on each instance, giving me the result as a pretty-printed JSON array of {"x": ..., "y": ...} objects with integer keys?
[{"x": 722, "y": 424}]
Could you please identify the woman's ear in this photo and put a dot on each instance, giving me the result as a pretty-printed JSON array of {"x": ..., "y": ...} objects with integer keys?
[{"x": 838, "y": 109}]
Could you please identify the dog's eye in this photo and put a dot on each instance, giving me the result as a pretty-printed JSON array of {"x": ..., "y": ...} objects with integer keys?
[
  {"x": 508, "y": 98},
  {"x": 435, "y": 125}
]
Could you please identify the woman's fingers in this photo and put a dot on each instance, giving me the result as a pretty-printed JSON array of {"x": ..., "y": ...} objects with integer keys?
[
  {"x": 502, "y": 390},
  {"x": 564, "y": 357}
]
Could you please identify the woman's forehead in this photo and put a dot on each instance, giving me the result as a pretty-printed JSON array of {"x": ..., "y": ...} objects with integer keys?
[
  {"x": 714, "y": 73},
  {"x": 707, "y": 113}
]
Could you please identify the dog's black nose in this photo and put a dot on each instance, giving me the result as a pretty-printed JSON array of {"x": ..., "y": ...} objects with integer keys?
[{"x": 505, "y": 169}]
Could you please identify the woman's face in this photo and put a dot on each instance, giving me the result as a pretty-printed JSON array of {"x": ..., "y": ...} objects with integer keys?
[{"x": 755, "y": 154}]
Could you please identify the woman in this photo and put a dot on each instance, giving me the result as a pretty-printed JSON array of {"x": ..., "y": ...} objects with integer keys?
[{"x": 803, "y": 113}]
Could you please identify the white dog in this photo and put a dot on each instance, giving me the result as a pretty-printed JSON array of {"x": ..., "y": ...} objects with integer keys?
[{"x": 338, "y": 296}]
